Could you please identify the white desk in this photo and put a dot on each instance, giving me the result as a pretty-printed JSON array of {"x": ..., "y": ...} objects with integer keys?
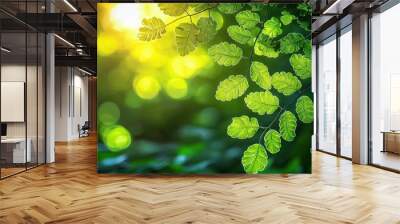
[{"x": 19, "y": 155}]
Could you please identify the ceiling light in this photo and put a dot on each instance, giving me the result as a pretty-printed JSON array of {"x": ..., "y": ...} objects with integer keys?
[
  {"x": 65, "y": 41},
  {"x": 84, "y": 71},
  {"x": 5, "y": 50},
  {"x": 70, "y": 5}
]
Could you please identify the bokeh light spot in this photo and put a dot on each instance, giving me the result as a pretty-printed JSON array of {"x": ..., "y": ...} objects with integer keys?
[
  {"x": 118, "y": 138},
  {"x": 108, "y": 113},
  {"x": 189, "y": 66},
  {"x": 126, "y": 16},
  {"x": 106, "y": 44},
  {"x": 146, "y": 87},
  {"x": 177, "y": 88},
  {"x": 132, "y": 100}
]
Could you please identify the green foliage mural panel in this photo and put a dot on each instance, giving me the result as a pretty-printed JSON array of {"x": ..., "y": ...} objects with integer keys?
[{"x": 204, "y": 88}]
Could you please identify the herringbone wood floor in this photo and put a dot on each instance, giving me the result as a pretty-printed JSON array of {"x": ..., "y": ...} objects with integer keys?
[{"x": 70, "y": 191}]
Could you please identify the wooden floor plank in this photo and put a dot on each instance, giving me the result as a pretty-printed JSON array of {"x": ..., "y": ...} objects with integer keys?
[{"x": 70, "y": 191}]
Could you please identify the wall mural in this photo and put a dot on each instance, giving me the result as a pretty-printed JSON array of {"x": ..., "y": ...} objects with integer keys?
[{"x": 204, "y": 88}]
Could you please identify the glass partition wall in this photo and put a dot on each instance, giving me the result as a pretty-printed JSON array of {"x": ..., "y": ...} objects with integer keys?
[
  {"x": 334, "y": 94},
  {"x": 22, "y": 78},
  {"x": 326, "y": 73}
]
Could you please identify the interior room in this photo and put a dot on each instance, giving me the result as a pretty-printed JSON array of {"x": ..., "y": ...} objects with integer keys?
[
  {"x": 91, "y": 102},
  {"x": 22, "y": 100}
]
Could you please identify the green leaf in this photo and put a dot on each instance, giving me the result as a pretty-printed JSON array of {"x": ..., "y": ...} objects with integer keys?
[
  {"x": 291, "y": 43},
  {"x": 151, "y": 29},
  {"x": 254, "y": 159},
  {"x": 262, "y": 102},
  {"x": 305, "y": 25},
  {"x": 305, "y": 109},
  {"x": 208, "y": 29},
  {"x": 256, "y": 6},
  {"x": 260, "y": 75},
  {"x": 305, "y": 9},
  {"x": 226, "y": 54},
  {"x": 243, "y": 127},
  {"x": 287, "y": 126},
  {"x": 285, "y": 83},
  {"x": 173, "y": 9},
  {"x": 301, "y": 65},
  {"x": 239, "y": 34},
  {"x": 254, "y": 32},
  {"x": 307, "y": 48},
  {"x": 272, "y": 141},
  {"x": 218, "y": 18},
  {"x": 267, "y": 51},
  {"x": 287, "y": 18},
  {"x": 229, "y": 8},
  {"x": 231, "y": 88},
  {"x": 186, "y": 38},
  {"x": 198, "y": 7},
  {"x": 247, "y": 19},
  {"x": 272, "y": 27}
]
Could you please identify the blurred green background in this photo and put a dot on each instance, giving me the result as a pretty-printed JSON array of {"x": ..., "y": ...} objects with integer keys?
[{"x": 156, "y": 109}]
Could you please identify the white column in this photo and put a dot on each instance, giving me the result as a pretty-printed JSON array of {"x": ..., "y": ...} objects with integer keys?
[
  {"x": 360, "y": 90},
  {"x": 50, "y": 92}
]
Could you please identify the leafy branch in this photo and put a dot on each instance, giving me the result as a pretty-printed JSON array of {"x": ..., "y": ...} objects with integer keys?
[
  {"x": 188, "y": 15},
  {"x": 281, "y": 110},
  {"x": 270, "y": 41}
]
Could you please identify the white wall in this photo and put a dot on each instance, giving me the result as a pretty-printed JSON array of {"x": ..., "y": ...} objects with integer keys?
[
  {"x": 71, "y": 102},
  {"x": 33, "y": 127}
]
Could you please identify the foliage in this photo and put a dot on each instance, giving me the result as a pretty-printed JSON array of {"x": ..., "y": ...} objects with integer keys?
[
  {"x": 273, "y": 141},
  {"x": 243, "y": 127},
  {"x": 287, "y": 18},
  {"x": 254, "y": 159},
  {"x": 272, "y": 27},
  {"x": 225, "y": 54},
  {"x": 266, "y": 49},
  {"x": 186, "y": 38},
  {"x": 231, "y": 88},
  {"x": 262, "y": 102},
  {"x": 301, "y": 65},
  {"x": 152, "y": 29},
  {"x": 208, "y": 29},
  {"x": 173, "y": 9},
  {"x": 230, "y": 8},
  {"x": 285, "y": 83},
  {"x": 291, "y": 43},
  {"x": 287, "y": 126},
  {"x": 257, "y": 38},
  {"x": 247, "y": 19},
  {"x": 260, "y": 75},
  {"x": 305, "y": 109},
  {"x": 239, "y": 34}
]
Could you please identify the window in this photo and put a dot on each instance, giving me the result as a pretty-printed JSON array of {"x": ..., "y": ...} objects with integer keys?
[
  {"x": 346, "y": 92},
  {"x": 327, "y": 95},
  {"x": 385, "y": 89}
]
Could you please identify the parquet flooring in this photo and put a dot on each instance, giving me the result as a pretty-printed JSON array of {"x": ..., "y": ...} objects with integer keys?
[{"x": 70, "y": 191}]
